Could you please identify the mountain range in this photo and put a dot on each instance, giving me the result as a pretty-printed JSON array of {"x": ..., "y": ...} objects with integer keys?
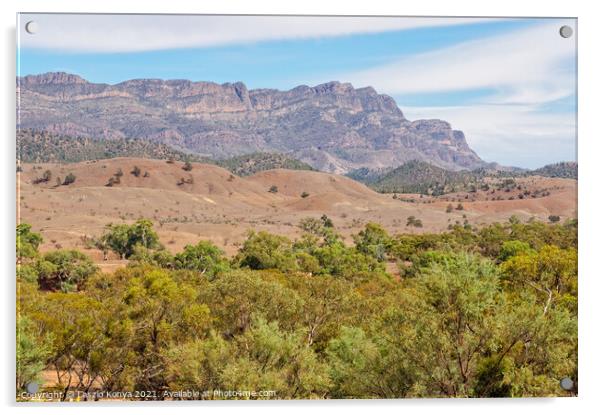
[{"x": 332, "y": 127}]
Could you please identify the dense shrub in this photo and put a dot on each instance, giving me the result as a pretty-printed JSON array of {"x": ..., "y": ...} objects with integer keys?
[{"x": 475, "y": 313}]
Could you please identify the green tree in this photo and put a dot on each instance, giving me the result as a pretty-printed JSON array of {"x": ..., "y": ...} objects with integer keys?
[
  {"x": 234, "y": 297},
  {"x": 69, "y": 179},
  {"x": 27, "y": 242},
  {"x": 33, "y": 350},
  {"x": 462, "y": 293},
  {"x": 65, "y": 270},
  {"x": 550, "y": 272},
  {"x": 264, "y": 251},
  {"x": 123, "y": 238},
  {"x": 76, "y": 325},
  {"x": 44, "y": 179},
  {"x": 439, "y": 331},
  {"x": 413, "y": 221},
  {"x": 404, "y": 246},
  {"x": 374, "y": 241},
  {"x": 198, "y": 364},
  {"x": 513, "y": 248},
  {"x": 352, "y": 357},
  {"x": 340, "y": 261},
  {"x": 514, "y": 220},
  {"x": 264, "y": 357},
  {"x": 204, "y": 257},
  {"x": 535, "y": 351},
  {"x": 312, "y": 226},
  {"x": 159, "y": 258},
  {"x": 269, "y": 358},
  {"x": 116, "y": 238},
  {"x": 491, "y": 239},
  {"x": 327, "y": 304},
  {"x": 326, "y": 221},
  {"x": 142, "y": 233},
  {"x": 162, "y": 312}
]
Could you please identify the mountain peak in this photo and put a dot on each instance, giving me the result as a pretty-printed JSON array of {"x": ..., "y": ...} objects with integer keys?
[
  {"x": 335, "y": 87},
  {"x": 60, "y": 78}
]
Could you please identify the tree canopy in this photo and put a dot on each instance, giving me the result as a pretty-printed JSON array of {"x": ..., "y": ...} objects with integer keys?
[{"x": 489, "y": 312}]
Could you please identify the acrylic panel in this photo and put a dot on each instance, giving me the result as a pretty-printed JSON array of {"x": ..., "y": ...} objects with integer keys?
[{"x": 295, "y": 207}]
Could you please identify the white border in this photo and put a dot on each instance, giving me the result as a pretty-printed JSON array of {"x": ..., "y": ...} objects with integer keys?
[{"x": 590, "y": 182}]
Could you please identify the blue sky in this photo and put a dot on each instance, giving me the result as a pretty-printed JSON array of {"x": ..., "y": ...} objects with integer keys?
[{"x": 509, "y": 84}]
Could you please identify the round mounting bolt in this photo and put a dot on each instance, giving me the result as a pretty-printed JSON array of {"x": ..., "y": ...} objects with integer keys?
[{"x": 566, "y": 31}]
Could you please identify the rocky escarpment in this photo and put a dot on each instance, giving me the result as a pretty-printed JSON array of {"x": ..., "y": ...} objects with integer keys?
[{"x": 333, "y": 126}]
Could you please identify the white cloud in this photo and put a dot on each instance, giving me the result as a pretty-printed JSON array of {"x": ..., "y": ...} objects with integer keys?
[
  {"x": 518, "y": 135},
  {"x": 130, "y": 33},
  {"x": 524, "y": 66}
]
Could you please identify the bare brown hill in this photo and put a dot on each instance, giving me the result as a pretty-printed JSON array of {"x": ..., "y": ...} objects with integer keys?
[{"x": 208, "y": 202}]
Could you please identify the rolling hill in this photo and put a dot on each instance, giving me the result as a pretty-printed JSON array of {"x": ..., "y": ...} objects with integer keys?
[
  {"x": 253, "y": 163},
  {"x": 45, "y": 147},
  {"x": 416, "y": 177},
  {"x": 209, "y": 202},
  {"x": 566, "y": 169},
  {"x": 420, "y": 177}
]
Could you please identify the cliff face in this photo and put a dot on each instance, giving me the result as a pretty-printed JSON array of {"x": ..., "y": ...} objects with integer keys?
[{"x": 333, "y": 127}]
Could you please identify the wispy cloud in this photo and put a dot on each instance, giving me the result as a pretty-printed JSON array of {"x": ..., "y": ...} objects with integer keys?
[
  {"x": 525, "y": 66},
  {"x": 135, "y": 33}
]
